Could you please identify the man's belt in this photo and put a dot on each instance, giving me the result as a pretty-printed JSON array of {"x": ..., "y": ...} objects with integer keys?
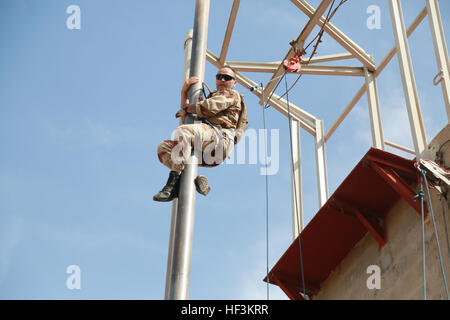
[{"x": 215, "y": 127}]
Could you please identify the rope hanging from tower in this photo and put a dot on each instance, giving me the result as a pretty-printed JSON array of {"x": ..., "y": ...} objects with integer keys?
[{"x": 424, "y": 184}]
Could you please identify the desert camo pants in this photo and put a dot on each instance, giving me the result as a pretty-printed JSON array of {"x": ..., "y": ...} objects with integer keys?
[{"x": 208, "y": 143}]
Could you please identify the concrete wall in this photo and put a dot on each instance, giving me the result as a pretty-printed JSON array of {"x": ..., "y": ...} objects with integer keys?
[{"x": 400, "y": 260}]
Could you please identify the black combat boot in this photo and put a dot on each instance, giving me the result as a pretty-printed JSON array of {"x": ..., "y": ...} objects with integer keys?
[{"x": 170, "y": 190}]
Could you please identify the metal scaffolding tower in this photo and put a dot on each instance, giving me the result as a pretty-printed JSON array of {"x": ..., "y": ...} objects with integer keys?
[{"x": 182, "y": 219}]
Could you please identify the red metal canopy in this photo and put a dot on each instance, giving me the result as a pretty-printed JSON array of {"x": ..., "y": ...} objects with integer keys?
[{"x": 358, "y": 205}]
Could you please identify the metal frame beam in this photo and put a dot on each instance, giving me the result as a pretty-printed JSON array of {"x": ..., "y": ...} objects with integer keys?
[
  {"x": 271, "y": 67},
  {"x": 296, "y": 175},
  {"x": 317, "y": 59},
  {"x": 321, "y": 164},
  {"x": 331, "y": 57},
  {"x": 333, "y": 71},
  {"x": 408, "y": 79},
  {"x": 338, "y": 35},
  {"x": 314, "y": 19},
  {"x": 378, "y": 71},
  {"x": 399, "y": 147},
  {"x": 346, "y": 111},
  {"x": 417, "y": 21},
  {"x": 229, "y": 32},
  {"x": 264, "y": 67},
  {"x": 309, "y": 27},
  {"x": 440, "y": 49},
  {"x": 374, "y": 110},
  {"x": 281, "y": 106}
]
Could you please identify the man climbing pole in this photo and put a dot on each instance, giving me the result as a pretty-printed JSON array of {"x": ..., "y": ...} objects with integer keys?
[{"x": 223, "y": 121}]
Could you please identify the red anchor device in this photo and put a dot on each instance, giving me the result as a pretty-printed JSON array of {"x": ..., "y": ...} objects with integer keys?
[{"x": 293, "y": 64}]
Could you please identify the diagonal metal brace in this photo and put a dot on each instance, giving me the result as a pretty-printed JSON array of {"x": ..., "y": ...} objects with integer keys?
[
  {"x": 375, "y": 230},
  {"x": 381, "y": 161},
  {"x": 373, "y": 227},
  {"x": 399, "y": 185},
  {"x": 288, "y": 289},
  {"x": 291, "y": 286}
]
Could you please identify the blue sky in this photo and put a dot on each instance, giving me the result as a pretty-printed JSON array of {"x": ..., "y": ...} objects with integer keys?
[{"x": 83, "y": 111}]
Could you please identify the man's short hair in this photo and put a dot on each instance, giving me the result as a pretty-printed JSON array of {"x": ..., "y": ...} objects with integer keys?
[{"x": 228, "y": 67}]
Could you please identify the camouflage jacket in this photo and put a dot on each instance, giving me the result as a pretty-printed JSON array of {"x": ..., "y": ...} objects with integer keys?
[{"x": 222, "y": 107}]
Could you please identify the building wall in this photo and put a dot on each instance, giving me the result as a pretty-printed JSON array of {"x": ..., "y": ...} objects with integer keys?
[{"x": 400, "y": 260}]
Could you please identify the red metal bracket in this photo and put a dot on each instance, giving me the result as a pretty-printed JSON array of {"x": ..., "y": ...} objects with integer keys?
[
  {"x": 407, "y": 169},
  {"x": 401, "y": 187},
  {"x": 292, "y": 286},
  {"x": 375, "y": 230},
  {"x": 372, "y": 226},
  {"x": 288, "y": 289}
]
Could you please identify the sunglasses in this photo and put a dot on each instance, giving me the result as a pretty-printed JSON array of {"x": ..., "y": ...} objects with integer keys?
[{"x": 224, "y": 76}]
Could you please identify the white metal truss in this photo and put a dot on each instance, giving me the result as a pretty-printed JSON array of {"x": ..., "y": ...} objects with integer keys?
[
  {"x": 440, "y": 48},
  {"x": 368, "y": 70},
  {"x": 314, "y": 19},
  {"x": 338, "y": 35},
  {"x": 408, "y": 79}
]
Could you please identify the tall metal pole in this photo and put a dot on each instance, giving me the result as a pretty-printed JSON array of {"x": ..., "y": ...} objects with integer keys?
[
  {"x": 186, "y": 69},
  {"x": 184, "y": 226}
]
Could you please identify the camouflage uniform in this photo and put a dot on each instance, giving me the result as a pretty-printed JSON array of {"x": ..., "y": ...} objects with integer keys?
[{"x": 211, "y": 144}]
